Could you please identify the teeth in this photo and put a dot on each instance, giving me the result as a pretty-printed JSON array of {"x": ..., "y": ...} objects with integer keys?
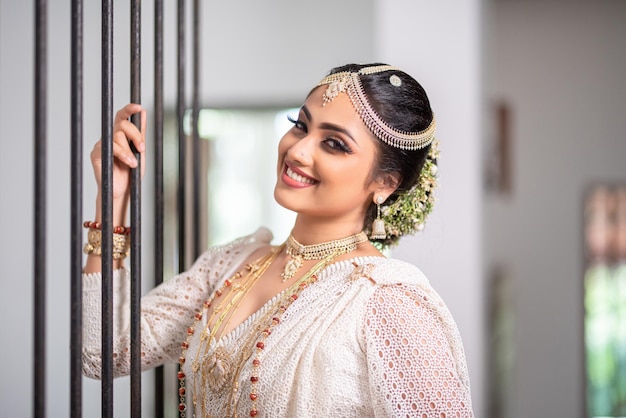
[{"x": 297, "y": 177}]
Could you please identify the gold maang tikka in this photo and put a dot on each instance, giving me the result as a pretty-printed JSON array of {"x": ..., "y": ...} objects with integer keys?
[{"x": 350, "y": 83}]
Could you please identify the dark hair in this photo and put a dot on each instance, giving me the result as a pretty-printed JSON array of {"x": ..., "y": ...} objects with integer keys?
[{"x": 405, "y": 108}]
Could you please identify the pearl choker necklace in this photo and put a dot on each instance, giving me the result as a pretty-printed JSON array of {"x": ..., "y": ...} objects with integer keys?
[{"x": 299, "y": 253}]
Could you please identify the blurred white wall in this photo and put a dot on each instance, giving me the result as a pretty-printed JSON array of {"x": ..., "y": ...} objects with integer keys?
[
  {"x": 560, "y": 65},
  {"x": 439, "y": 43}
]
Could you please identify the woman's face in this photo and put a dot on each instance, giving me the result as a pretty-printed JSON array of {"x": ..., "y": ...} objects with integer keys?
[{"x": 325, "y": 162}]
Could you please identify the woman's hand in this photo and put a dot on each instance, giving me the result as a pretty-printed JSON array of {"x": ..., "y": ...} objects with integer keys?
[
  {"x": 124, "y": 160},
  {"x": 124, "y": 131}
]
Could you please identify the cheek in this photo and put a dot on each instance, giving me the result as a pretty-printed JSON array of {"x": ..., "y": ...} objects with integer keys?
[
  {"x": 286, "y": 142},
  {"x": 348, "y": 179},
  {"x": 283, "y": 146}
]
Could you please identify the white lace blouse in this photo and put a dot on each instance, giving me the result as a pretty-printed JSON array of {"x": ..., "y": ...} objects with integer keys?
[{"x": 369, "y": 338}]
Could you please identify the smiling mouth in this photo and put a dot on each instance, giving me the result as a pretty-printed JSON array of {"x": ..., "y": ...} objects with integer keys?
[{"x": 299, "y": 178}]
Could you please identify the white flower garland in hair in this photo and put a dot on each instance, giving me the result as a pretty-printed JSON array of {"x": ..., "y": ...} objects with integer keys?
[{"x": 408, "y": 213}]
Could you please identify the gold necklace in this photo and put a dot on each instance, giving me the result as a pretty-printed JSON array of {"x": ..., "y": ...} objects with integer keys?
[
  {"x": 239, "y": 285},
  {"x": 264, "y": 327},
  {"x": 238, "y": 291},
  {"x": 298, "y": 253}
]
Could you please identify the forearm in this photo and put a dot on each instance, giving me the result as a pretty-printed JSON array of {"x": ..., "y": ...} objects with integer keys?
[
  {"x": 166, "y": 312},
  {"x": 160, "y": 332}
]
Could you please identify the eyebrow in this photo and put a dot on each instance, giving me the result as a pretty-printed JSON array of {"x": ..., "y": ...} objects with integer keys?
[{"x": 331, "y": 126}]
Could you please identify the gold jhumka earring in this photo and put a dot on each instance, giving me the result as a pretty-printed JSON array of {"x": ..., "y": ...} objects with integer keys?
[{"x": 378, "y": 226}]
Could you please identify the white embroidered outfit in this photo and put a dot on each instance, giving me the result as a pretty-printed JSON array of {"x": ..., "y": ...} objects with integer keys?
[{"x": 372, "y": 340}]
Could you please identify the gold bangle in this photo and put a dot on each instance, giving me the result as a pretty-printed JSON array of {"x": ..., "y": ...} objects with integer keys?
[{"x": 121, "y": 244}]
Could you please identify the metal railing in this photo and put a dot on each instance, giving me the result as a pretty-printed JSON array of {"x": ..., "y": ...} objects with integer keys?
[{"x": 76, "y": 199}]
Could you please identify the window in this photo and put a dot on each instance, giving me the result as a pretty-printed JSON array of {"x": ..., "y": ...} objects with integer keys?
[
  {"x": 238, "y": 165},
  {"x": 605, "y": 301}
]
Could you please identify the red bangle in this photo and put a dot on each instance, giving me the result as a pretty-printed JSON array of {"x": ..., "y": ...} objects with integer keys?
[{"x": 125, "y": 230}]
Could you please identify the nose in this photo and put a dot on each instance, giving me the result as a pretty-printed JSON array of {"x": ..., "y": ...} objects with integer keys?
[{"x": 302, "y": 151}]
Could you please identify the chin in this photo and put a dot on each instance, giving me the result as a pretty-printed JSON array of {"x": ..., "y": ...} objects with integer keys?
[
  {"x": 279, "y": 199},
  {"x": 290, "y": 201}
]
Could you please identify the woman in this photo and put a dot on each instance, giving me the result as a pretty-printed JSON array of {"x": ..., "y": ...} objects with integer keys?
[{"x": 323, "y": 325}]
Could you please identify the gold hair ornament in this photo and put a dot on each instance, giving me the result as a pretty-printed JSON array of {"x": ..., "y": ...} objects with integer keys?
[{"x": 350, "y": 83}]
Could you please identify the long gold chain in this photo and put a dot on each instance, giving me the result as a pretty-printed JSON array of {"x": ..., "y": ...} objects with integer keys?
[
  {"x": 255, "y": 344},
  {"x": 240, "y": 285},
  {"x": 237, "y": 293},
  {"x": 220, "y": 313}
]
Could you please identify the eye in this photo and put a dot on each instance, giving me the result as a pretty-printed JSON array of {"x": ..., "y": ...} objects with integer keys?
[
  {"x": 297, "y": 123},
  {"x": 337, "y": 144}
]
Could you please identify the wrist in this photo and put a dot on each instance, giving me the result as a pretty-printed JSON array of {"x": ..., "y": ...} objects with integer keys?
[{"x": 120, "y": 209}]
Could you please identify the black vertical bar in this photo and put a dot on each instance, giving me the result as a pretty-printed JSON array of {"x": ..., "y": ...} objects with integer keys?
[
  {"x": 196, "y": 135},
  {"x": 182, "y": 148},
  {"x": 39, "y": 282},
  {"x": 107, "y": 208},
  {"x": 159, "y": 389},
  {"x": 76, "y": 203},
  {"x": 135, "y": 217}
]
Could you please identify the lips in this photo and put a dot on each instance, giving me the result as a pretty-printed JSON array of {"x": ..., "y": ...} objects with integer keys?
[{"x": 296, "y": 178}]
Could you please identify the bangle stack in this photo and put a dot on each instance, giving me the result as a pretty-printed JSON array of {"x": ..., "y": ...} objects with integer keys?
[{"x": 121, "y": 240}]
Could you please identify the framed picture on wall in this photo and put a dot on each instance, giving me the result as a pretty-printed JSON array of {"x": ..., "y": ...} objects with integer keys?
[{"x": 498, "y": 159}]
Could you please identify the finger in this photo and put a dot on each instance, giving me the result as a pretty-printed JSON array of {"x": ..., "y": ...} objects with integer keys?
[
  {"x": 121, "y": 148},
  {"x": 126, "y": 112},
  {"x": 131, "y": 132},
  {"x": 144, "y": 123},
  {"x": 138, "y": 136},
  {"x": 121, "y": 152},
  {"x": 96, "y": 150}
]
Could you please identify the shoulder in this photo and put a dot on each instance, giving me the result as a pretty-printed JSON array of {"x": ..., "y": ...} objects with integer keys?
[
  {"x": 236, "y": 248},
  {"x": 403, "y": 287},
  {"x": 260, "y": 236},
  {"x": 389, "y": 271},
  {"x": 400, "y": 281},
  {"x": 403, "y": 306}
]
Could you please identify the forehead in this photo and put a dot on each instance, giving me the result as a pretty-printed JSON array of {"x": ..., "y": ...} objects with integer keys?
[{"x": 338, "y": 112}]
